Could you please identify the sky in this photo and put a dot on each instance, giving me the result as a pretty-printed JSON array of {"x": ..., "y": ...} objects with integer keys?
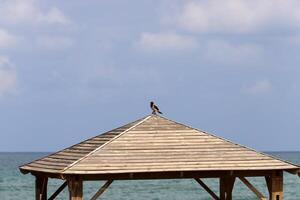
[{"x": 73, "y": 70}]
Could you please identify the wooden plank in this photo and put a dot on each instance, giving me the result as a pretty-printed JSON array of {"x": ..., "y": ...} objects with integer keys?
[
  {"x": 44, "y": 166},
  {"x": 168, "y": 142},
  {"x": 176, "y": 155},
  {"x": 241, "y": 153},
  {"x": 170, "y": 159},
  {"x": 190, "y": 148},
  {"x": 58, "y": 191},
  {"x": 198, "y": 150},
  {"x": 86, "y": 170},
  {"x": 100, "y": 163},
  {"x": 37, "y": 169},
  {"x": 207, "y": 189},
  {"x": 252, "y": 188},
  {"x": 212, "y": 150},
  {"x": 102, "y": 190},
  {"x": 55, "y": 159},
  {"x": 51, "y": 163},
  {"x": 170, "y": 137},
  {"x": 133, "y": 131}
]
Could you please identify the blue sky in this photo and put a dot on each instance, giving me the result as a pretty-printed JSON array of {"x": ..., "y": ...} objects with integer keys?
[{"x": 69, "y": 71}]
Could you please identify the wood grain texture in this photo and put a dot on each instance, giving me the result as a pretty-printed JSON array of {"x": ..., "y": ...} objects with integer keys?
[{"x": 155, "y": 144}]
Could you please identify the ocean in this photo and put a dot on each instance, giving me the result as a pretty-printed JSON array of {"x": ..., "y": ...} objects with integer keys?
[{"x": 16, "y": 186}]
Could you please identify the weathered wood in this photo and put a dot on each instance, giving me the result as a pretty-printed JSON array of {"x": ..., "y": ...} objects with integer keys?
[
  {"x": 56, "y": 193},
  {"x": 155, "y": 147},
  {"x": 226, "y": 187},
  {"x": 102, "y": 189},
  {"x": 275, "y": 185},
  {"x": 173, "y": 175},
  {"x": 252, "y": 188},
  {"x": 41, "y": 183},
  {"x": 207, "y": 189},
  {"x": 75, "y": 188}
]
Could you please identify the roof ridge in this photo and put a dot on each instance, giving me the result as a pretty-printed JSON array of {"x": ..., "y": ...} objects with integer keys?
[
  {"x": 117, "y": 136},
  {"x": 227, "y": 140}
]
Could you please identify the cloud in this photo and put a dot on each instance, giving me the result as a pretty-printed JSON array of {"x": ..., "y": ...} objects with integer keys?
[
  {"x": 8, "y": 77},
  {"x": 237, "y": 16},
  {"x": 166, "y": 41},
  {"x": 28, "y": 11},
  {"x": 54, "y": 42},
  {"x": 259, "y": 87},
  {"x": 7, "y": 39},
  {"x": 224, "y": 52}
]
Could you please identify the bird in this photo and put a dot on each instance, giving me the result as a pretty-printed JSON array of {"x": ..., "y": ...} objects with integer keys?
[{"x": 154, "y": 108}]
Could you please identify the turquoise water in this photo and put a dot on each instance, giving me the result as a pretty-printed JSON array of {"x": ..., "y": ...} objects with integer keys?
[{"x": 16, "y": 186}]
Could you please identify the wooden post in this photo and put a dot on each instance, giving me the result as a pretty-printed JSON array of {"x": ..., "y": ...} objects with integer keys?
[
  {"x": 275, "y": 185},
  {"x": 75, "y": 188},
  {"x": 226, "y": 187},
  {"x": 41, "y": 183}
]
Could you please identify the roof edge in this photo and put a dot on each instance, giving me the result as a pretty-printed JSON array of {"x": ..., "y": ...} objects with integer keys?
[{"x": 282, "y": 160}]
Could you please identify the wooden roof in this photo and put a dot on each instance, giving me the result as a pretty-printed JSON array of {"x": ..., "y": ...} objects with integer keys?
[{"x": 154, "y": 144}]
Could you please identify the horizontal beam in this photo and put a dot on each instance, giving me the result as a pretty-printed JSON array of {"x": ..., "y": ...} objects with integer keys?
[
  {"x": 161, "y": 175},
  {"x": 173, "y": 175}
]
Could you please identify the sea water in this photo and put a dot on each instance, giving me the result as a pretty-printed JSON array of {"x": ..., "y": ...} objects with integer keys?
[{"x": 16, "y": 186}]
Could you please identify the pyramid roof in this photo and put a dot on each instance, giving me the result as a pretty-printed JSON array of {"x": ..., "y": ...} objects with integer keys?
[{"x": 154, "y": 144}]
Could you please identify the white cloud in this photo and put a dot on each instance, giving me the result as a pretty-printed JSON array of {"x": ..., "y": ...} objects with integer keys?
[
  {"x": 165, "y": 41},
  {"x": 221, "y": 51},
  {"x": 259, "y": 87},
  {"x": 7, "y": 39},
  {"x": 28, "y": 11},
  {"x": 54, "y": 15},
  {"x": 237, "y": 16},
  {"x": 8, "y": 77},
  {"x": 54, "y": 42}
]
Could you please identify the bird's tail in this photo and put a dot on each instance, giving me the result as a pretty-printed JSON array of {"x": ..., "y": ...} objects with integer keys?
[{"x": 159, "y": 112}]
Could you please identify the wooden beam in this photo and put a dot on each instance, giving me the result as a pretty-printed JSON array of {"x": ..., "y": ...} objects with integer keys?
[
  {"x": 293, "y": 171},
  {"x": 275, "y": 185},
  {"x": 207, "y": 189},
  {"x": 252, "y": 188},
  {"x": 226, "y": 187},
  {"x": 61, "y": 188},
  {"x": 173, "y": 175},
  {"x": 41, "y": 183},
  {"x": 75, "y": 189},
  {"x": 102, "y": 189}
]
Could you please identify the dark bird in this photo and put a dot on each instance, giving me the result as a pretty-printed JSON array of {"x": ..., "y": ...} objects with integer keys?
[{"x": 154, "y": 108}]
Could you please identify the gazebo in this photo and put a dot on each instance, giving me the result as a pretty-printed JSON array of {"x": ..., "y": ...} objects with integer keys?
[{"x": 158, "y": 148}]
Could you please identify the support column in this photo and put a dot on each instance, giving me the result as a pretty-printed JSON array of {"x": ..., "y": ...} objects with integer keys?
[
  {"x": 75, "y": 188},
  {"x": 41, "y": 183},
  {"x": 275, "y": 185},
  {"x": 226, "y": 187}
]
